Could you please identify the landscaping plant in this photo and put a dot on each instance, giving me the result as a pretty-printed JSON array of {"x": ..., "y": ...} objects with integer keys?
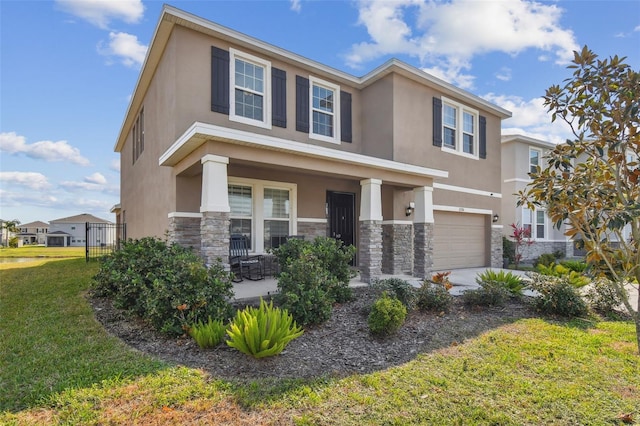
[
  {"x": 603, "y": 298},
  {"x": 490, "y": 293},
  {"x": 386, "y": 316},
  {"x": 557, "y": 296},
  {"x": 510, "y": 281},
  {"x": 152, "y": 279},
  {"x": 433, "y": 295},
  {"x": 208, "y": 334},
  {"x": 398, "y": 288},
  {"x": 521, "y": 238},
  {"x": 576, "y": 279},
  {"x": 263, "y": 331}
]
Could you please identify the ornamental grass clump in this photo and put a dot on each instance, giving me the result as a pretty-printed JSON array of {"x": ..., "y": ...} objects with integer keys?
[
  {"x": 208, "y": 334},
  {"x": 262, "y": 332},
  {"x": 510, "y": 281}
]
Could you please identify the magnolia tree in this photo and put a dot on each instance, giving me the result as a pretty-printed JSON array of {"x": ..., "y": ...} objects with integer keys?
[{"x": 592, "y": 182}]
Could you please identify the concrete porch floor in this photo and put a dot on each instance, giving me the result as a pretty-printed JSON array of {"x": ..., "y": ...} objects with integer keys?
[{"x": 462, "y": 279}]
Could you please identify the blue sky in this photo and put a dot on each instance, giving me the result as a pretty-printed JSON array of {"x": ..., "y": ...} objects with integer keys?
[{"x": 68, "y": 69}]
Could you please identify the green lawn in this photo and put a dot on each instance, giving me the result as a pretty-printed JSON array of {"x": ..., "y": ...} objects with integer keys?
[
  {"x": 41, "y": 251},
  {"x": 57, "y": 365}
]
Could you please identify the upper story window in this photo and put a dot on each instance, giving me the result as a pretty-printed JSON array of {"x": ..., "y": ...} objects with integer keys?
[
  {"x": 459, "y": 128},
  {"x": 534, "y": 159},
  {"x": 250, "y": 89},
  {"x": 324, "y": 109},
  {"x": 138, "y": 135}
]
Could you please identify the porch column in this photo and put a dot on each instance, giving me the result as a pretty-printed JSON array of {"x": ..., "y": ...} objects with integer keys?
[
  {"x": 370, "y": 241},
  {"x": 214, "y": 206},
  {"x": 423, "y": 232}
]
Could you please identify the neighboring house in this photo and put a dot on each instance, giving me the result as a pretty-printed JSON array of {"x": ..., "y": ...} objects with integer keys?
[
  {"x": 34, "y": 232},
  {"x": 520, "y": 156},
  {"x": 226, "y": 134},
  {"x": 72, "y": 232}
]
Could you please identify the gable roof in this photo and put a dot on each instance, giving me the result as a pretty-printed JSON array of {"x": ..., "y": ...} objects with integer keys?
[
  {"x": 172, "y": 16},
  {"x": 528, "y": 141},
  {"x": 81, "y": 218},
  {"x": 36, "y": 224}
]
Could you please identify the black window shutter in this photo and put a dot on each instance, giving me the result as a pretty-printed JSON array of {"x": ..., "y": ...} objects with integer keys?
[
  {"x": 302, "y": 104},
  {"x": 437, "y": 122},
  {"x": 483, "y": 137},
  {"x": 345, "y": 117},
  {"x": 279, "y": 97},
  {"x": 219, "y": 80}
]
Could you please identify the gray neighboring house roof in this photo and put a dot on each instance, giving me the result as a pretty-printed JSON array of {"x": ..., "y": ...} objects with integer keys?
[
  {"x": 36, "y": 224},
  {"x": 81, "y": 218}
]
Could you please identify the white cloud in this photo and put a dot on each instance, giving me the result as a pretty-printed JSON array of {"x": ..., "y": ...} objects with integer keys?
[
  {"x": 637, "y": 28},
  {"x": 115, "y": 165},
  {"x": 445, "y": 36},
  {"x": 296, "y": 5},
  {"x": 32, "y": 180},
  {"x": 13, "y": 143},
  {"x": 124, "y": 46},
  {"x": 101, "y": 12},
  {"x": 530, "y": 118},
  {"x": 504, "y": 74},
  {"x": 97, "y": 178}
]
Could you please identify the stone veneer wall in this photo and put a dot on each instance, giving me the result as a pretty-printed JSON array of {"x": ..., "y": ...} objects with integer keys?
[
  {"x": 423, "y": 234},
  {"x": 496, "y": 247},
  {"x": 532, "y": 252},
  {"x": 185, "y": 231},
  {"x": 397, "y": 248},
  {"x": 311, "y": 230},
  {"x": 214, "y": 231},
  {"x": 370, "y": 250}
]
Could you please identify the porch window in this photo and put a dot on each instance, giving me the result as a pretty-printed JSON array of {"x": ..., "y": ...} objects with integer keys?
[
  {"x": 276, "y": 216},
  {"x": 241, "y": 217},
  {"x": 263, "y": 211}
]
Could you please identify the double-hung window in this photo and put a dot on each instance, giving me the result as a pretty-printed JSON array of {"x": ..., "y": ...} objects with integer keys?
[
  {"x": 535, "y": 222},
  {"x": 262, "y": 211},
  {"x": 459, "y": 128},
  {"x": 534, "y": 159},
  {"x": 324, "y": 110},
  {"x": 250, "y": 88}
]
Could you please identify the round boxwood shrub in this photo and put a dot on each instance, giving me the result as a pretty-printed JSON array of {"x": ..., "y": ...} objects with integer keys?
[{"x": 387, "y": 315}]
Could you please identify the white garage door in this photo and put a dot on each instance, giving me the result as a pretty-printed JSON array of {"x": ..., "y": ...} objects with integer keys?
[{"x": 460, "y": 240}]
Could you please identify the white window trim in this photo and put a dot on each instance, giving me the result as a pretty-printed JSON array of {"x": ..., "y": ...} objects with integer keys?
[
  {"x": 460, "y": 109},
  {"x": 257, "y": 201},
  {"x": 336, "y": 110},
  {"x": 529, "y": 164},
  {"x": 534, "y": 224},
  {"x": 266, "y": 104}
]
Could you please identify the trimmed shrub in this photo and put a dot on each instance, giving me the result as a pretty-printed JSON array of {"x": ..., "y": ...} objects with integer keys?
[
  {"x": 603, "y": 297},
  {"x": 262, "y": 332},
  {"x": 510, "y": 281},
  {"x": 168, "y": 285},
  {"x": 508, "y": 249},
  {"x": 433, "y": 296},
  {"x": 557, "y": 296},
  {"x": 304, "y": 290},
  {"x": 576, "y": 279},
  {"x": 398, "y": 288},
  {"x": 386, "y": 316},
  {"x": 208, "y": 334},
  {"x": 490, "y": 293},
  {"x": 546, "y": 259}
]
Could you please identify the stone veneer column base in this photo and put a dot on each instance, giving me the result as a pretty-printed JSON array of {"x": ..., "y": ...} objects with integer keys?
[
  {"x": 423, "y": 250},
  {"x": 185, "y": 231},
  {"x": 214, "y": 231},
  {"x": 496, "y": 247},
  {"x": 370, "y": 250},
  {"x": 397, "y": 248}
]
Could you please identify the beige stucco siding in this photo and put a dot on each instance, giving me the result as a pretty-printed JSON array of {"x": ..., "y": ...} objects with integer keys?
[{"x": 377, "y": 119}]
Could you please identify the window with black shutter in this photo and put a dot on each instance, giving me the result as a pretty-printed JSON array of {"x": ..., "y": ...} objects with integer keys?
[
  {"x": 345, "y": 117},
  {"x": 302, "y": 104},
  {"x": 279, "y": 97},
  {"x": 219, "y": 80}
]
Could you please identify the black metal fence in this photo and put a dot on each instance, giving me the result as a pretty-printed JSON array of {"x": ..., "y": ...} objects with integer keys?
[{"x": 103, "y": 238}]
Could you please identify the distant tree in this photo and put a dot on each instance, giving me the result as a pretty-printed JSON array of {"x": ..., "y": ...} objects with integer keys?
[
  {"x": 592, "y": 182},
  {"x": 11, "y": 227}
]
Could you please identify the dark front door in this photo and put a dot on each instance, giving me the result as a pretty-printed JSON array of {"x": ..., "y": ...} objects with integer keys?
[{"x": 342, "y": 212}]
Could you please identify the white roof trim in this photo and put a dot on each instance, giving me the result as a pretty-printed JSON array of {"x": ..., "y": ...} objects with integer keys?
[{"x": 198, "y": 133}]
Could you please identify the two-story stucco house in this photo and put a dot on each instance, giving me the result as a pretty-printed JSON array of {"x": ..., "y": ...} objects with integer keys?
[
  {"x": 72, "y": 232},
  {"x": 227, "y": 134},
  {"x": 34, "y": 232},
  {"x": 521, "y": 155}
]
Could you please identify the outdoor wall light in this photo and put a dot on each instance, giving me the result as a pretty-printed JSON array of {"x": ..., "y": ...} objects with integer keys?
[
  {"x": 495, "y": 218},
  {"x": 410, "y": 208}
]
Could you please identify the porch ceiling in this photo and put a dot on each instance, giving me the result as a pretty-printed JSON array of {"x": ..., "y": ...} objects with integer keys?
[{"x": 201, "y": 139}]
